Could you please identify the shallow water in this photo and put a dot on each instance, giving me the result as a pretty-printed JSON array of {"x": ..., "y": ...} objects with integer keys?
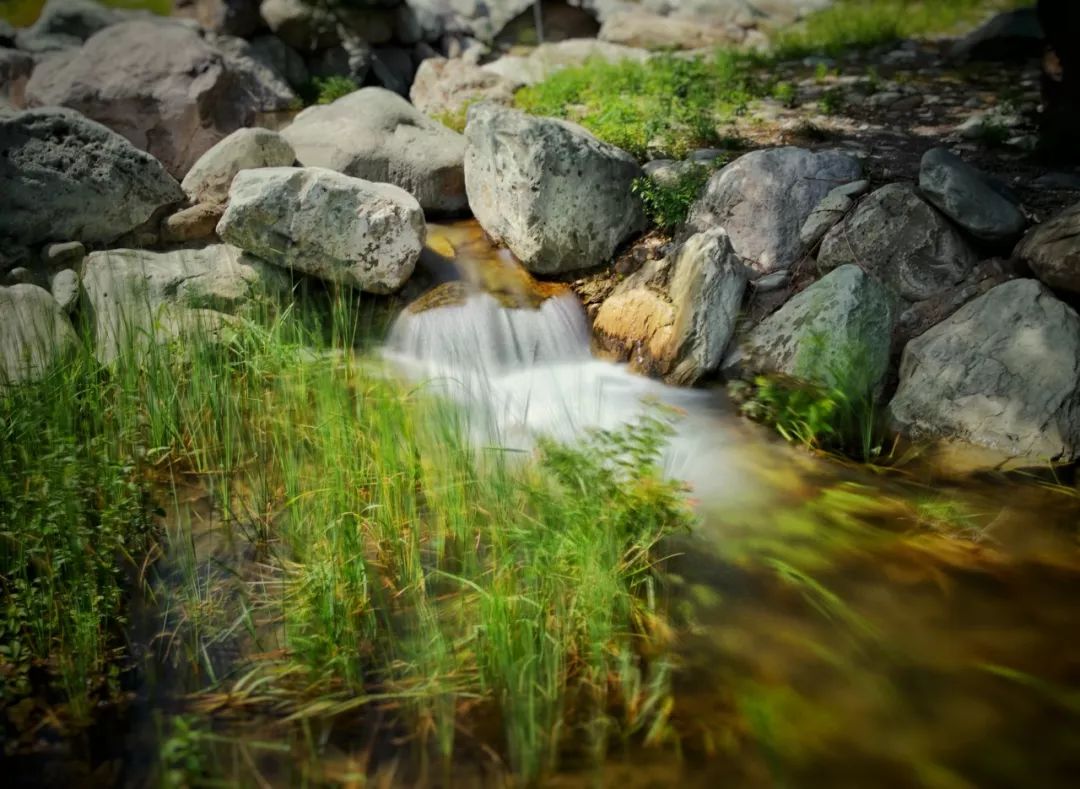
[{"x": 840, "y": 626}]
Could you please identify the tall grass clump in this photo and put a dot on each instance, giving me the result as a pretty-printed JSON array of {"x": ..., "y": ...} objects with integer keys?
[
  {"x": 376, "y": 558},
  {"x": 829, "y": 404},
  {"x": 664, "y": 106}
]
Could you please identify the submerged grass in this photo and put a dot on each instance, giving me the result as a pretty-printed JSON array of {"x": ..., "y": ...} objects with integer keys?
[{"x": 390, "y": 561}]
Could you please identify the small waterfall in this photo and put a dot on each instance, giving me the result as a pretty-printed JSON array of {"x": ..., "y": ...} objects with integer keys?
[{"x": 481, "y": 334}]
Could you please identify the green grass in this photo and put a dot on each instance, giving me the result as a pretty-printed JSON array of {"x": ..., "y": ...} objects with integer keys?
[
  {"x": 841, "y": 417},
  {"x": 665, "y": 107},
  {"x": 668, "y": 204},
  {"x": 397, "y": 563},
  {"x": 860, "y": 24}
]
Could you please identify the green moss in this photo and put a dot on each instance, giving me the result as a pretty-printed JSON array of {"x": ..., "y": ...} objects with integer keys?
[{"x": 668, "y": 204}]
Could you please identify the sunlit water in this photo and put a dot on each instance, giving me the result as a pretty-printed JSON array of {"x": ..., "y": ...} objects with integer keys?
[{"x": 840, "y": 627}]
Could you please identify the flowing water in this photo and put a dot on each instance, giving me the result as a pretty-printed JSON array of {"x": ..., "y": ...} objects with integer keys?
[{"x": 840, "y": 626}]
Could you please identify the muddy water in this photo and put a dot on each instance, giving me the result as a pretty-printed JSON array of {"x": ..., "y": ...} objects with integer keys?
[{"x": 839, "y": 626}]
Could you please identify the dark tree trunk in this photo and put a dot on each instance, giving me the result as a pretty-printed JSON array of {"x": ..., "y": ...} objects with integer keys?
[{"x": 1060, "y": 137}]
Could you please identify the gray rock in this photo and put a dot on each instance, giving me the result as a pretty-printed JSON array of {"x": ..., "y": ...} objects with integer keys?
[
  {"x": 320, "y": 222},
  {"x": 393, "y": 68},
  {"x": 66, "y": 24},
  {"x": 674, "y": 318},
  {"x": 232, "y": 17},
  {"x": 637, "y": 28},
  {"x": 548, "y": 58},
  {"x": 1012, "y": 35},
  {"x": 1003, "y": 372},
  {"x": 278, "y": 56},
  {"x": 7, "y": 34},
  {"x": 15, "y": 70},
  {"x": 21, "y": 275},
  {"x": 668, "y": 172},
  {"x": 967, "y": 196},
  {"x": 832, "y": 208},
  {"x": 194, "y": 223},
  {"x": 209, "y": 178},
  {"x": 765, "y": 197},
  {"x": 242, "y": 57},
  {"x": 1066, "y": 182},
  {"x": 352, "y": 59},
  {"x": 303, "y": 26},
  {"x": 135, "y": 300},
  {"x": 35, "y": 334},
  {"x": 64, "y": 177},
  {"x": 63, "y": 254},
  {"x": 160, "y": 85},
  {"x": 65, "y": 288},
  {"x": 559, "y": 198},
  {"x": 448, "y": 87},
  {"x": 1052, "y": 250},
  {"x": 378, "y": 136},
  {"x": 835, "y": 333},
  {"x": 896, "y": 235}
]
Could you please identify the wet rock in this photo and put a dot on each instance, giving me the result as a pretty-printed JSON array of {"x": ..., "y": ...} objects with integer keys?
[
  {"x": 15, "y": 70},
  {"x": 160, "y": 85},
  {"x": 65, "y": 177},
  {"x": 1003, "y": 372},
  {"x": 195, "y": 223},
  {"x": 674, "y": 318},
  {"x": 35, "y": 334},
  {"x": 764, "y": 198},
  {"x": 834, "y": 333},
  {"x": 320, "y": 222},
  {"x": 896, "y": 235},
  {"x": 134, "y": 299},
  {"x": 559, "y": 198},
  {"x": 970, "y": 198},
  {"x": 209, "y": 178},
  {"x": 65, "y": 287},
  {"x": 377, "y": 135},
  {"x": 448, "y": 87},
  {"x": 1052, "y": 250},
  {"x": 1012, "y": 35}
]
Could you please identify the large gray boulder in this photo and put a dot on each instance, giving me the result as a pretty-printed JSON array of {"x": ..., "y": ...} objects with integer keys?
[
  {"x": 320, "y": 222},
  {"x": 899, "y": 237},
  {"x": 648, "y": 30},
  {"x": 377, "y": 135},
  {"x": 1052, "y": 250},
  {"x": 34, "y": 334},
  {"x": 559, "y": 198},
  {"x": 835, "y": 333},
  {"x": 208, "y": 181},
  {"x": 159, "y": 84},
  {"x": 969, "y": 198},
  {"x": 66, "y": 178},
  {"x": 764, "y": 198},
  {"x": 136, "y": 300},
  {"x": 678, "y": 330},
  {"x": 1003, "y": 372}
]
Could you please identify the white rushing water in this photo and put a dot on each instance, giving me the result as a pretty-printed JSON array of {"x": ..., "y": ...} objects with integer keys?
[{"x": 522, "y": 373}]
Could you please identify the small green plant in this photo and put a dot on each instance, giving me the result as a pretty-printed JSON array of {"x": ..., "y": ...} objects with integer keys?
[
  {"x": 785, "y": 93},
  {"x": 668, "y": 204},
  {"x": 828, "y": 405},
  {"x": 832, "y": 101},
  {"x": 329, "y": 89}
]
